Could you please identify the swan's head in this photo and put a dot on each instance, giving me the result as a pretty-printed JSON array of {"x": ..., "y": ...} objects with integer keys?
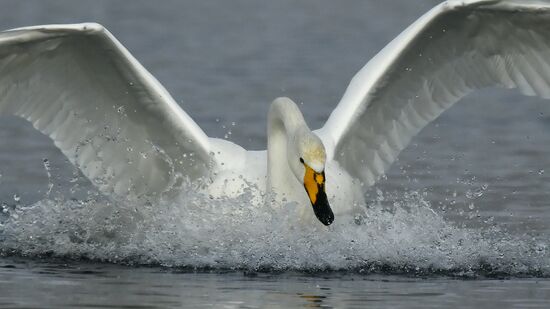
[{"x": 307, "y": 159}]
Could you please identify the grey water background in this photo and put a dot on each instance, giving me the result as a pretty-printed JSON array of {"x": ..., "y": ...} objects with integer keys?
[{"x": 224, "y": 61}]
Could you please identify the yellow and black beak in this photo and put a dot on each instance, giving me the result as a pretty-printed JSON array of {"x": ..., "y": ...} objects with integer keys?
[{"x": 315, "y": 187}]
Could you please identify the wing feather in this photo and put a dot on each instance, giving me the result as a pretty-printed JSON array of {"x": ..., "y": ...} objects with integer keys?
[
  {"x": 108, "y": 115},
  {"x": 454, "y": 49}
]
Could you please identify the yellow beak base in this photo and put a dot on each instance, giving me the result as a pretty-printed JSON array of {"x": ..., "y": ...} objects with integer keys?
[{"x": 314, "y": 183}]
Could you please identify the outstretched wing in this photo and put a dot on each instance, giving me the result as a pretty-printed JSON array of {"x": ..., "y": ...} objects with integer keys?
[
  {"x": 108, "y": 115},
  {"x": 454, "y": 49}
]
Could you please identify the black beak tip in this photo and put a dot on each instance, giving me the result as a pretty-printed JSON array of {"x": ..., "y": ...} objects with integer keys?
[
  {"x": 326, "y": 219},
  {"x": 322, "y": 210}
]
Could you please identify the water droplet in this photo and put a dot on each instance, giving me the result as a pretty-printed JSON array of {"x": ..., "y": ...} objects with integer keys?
[{"x": 473, "y": 194}]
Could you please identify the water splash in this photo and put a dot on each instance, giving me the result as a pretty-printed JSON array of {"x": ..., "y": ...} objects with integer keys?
[
  {"x": 391, "y": 234},
  {"x": 47, "y": 168}
]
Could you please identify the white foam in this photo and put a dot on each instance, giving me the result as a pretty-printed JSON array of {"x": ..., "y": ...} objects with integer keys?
[{"x": 199, "y": 232}]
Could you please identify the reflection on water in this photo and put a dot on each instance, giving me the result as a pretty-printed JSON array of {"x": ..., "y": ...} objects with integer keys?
[{"x": 314, "y": 301}]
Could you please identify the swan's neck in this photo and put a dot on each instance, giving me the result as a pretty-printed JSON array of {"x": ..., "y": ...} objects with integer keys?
[{"x": 284, "y": 120}]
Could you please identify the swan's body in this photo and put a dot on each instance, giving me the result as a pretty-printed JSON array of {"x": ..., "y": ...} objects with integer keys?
[
  {"x": 112, "y": 119},
  {"x": 239, "y": 168}
]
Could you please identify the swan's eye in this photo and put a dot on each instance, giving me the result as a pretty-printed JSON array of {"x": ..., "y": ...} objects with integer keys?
[{"x": 301, "y": 160}]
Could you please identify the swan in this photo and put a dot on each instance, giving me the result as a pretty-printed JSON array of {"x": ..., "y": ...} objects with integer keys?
[{"x": 114, "y": 121}]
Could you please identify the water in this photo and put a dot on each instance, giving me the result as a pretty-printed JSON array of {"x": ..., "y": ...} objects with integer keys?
[
  {"x": 460, "y": 220},
  {"x": 94, "y": 286}
]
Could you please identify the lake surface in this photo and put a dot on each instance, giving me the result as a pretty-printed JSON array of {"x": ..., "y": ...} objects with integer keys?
[
  {"x": 61, "y": 285},
  {"x": 461, "y": 220}
]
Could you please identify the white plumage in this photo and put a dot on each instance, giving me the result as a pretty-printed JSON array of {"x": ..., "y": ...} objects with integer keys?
[{"x": 112, "y": 119}]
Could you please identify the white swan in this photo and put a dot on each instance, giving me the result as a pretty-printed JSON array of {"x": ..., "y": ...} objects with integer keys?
[{"x": 112, "y": 119}]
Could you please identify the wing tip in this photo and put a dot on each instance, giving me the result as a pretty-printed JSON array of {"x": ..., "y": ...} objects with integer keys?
[
  {"x": 457, "y": 4},
  {"x": 451, "y": 5},
  {"x": 91, "y": 27},
  {"x": 88, "y": 27}
]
